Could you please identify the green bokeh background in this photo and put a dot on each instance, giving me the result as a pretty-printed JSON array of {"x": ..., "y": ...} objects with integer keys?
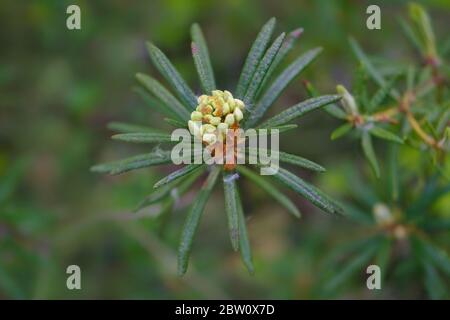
[{"x": 60, "y": 88}]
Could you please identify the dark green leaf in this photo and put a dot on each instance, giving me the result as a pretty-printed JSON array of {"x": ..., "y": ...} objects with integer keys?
[
  {"x": 341, "y": 131},
  {"x": 366, "y": 143},
  {"x": 385, "y": 134},
  {"x": 193, "y": 219},
  {"x": 172, "y": 76},
  {"x": 254, "y": 56},
  {"x": 136, "y": 162},
  {"x": 271, "y": 190},
  {"x": 154, "y": 87},
  {"x": 260, "y": 72},
  {"x": 201, "y": 58},
  {"x": 231, "y": 207},
  {"x": 143, "y": 137},
  {"x": 176, "y": 123},
  {"x": 187, "y": 170},
  {"x": 331, "y": 109},
  {"x": 279, "y": 84},
  {"x": 244, "y": 243},
  {"x": 299, "y": 110},
  {"x": 130, "y": 128},
  {"x": 372, "y": 71},
  {"x": 311, "y": 193}
]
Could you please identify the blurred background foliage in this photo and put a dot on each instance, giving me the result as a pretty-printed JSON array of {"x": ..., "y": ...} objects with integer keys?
[{"x": 60, "y": 88}]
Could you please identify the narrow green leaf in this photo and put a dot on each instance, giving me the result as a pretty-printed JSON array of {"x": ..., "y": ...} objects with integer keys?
[
  {"x": 271, "y": 190},
  {"x": 420, "y": 17},
  {"x": 393, "y": 171},
  {"x": 244, "y": 243},
  {"x": 176, "y": 123},
  {"x": 201, "y": 59},
  {"x": 254, "y": 56},
  {"x": 289, "y": 158},
  {"x": 341, "y": 131},
  {"x": 286, "y": 47},
  {"x": 154, "y": 87},
  {"x": 385, "y": 134},
  {"x": 193, "y": 219},
  {"x": 268, "y": 130},
  {"x": 357, "y": 263},
  {"x": 372, "y": 71},
  {"x": 381, "y": 94},
  {"x": 174, "y": 189},
  {"x": 411, "y": 35},
  {"x": 279, "y": 84},
  {"x": 261, "y": 70},
  {"x": 434, "y": 283},
  {"x": 136, "y": 162},
  {"x": 311, "y": 193},
  {"x": 143, "y": 137},
  {"x": 332, "y": 109},
  {"x": 299, "y": 110},
  {"x": 189, "y": 169},
  {"x": 231, "y": 207},
  {"x": 366, "y": 143},
  {"x": 130, "y": 128},
  {"x": 435, "y": 255},
  {"x": 172, "y": 76},
  {"x": 154, "y": 103}
]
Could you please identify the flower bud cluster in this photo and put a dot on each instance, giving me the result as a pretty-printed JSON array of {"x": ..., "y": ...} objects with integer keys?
[{"x": 214, "y": 115}]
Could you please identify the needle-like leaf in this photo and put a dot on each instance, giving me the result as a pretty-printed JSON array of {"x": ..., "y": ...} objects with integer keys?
[
  {"x": 157, "y": 89},
  {"x": 189, "y": 169},
  {"x": 136, "y": 162},
  {"x": 279, "y": 84},
  {"x": 341, "y": 131},
  {"x": 231, "y": 207},
  {"x": 254, "y": 56},
  {"x": 271, "y": 190},
  {"x": 385, "y": 134},
  {"x": 244, "y": 243},
  {"x": 370, "y": 68},
  {"x": 286, "y": 47},
  {"x": 260, "y": 73},
  {"x": 288, "y": 158},
  {"x": 201, "y": 59},
  {"x": 130, "y": 128},
  {"x": 172, "y": 76},
  {"x": 366, "y": 143},
  {"x": 311, "y": 193},
  {"x": 299, "y": 109},
  {"x": 176, "y": 123},
  {"x": 143, "y": 137},
  {"x": 193, "y": 219},
  {"x": 154, "y": 103}
]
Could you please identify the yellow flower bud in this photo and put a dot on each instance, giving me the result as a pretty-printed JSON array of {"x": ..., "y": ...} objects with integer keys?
[
  {"x": 207, "y": 128},
  {"x": 229, "y": 119},
  {"x": 214, "y": 121},
  {"x": 194, "y": 127},
  {"x": 239, "y": 103},
  {"x": 217, "y": 93},
  {"x": 227, "y": 95},
  {"x": 196, "y": 116},
  {"x": 238, "y": 115},
  {"x": 226, "y": 109},
  {"x": 203, "y": 99},
  {"x": 210, "y": 138}
]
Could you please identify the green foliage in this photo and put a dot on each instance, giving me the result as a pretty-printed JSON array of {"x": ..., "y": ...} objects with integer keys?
[{"x": 260, "y": 64}]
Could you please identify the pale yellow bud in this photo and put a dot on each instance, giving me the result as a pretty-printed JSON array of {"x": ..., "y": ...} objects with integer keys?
[
  {"x": 226, "y": 109},
  {"x": 207, "y": 128},
  {"x": 194, "y": 127},
  {"x": 207, "y": 118},
  {"x": 231, "y": 104},
  {"x": 196, "y": 116},
  {"x": 214, "y": 121},
  {"x": 217, "y": 93},
  {"x": 227, "y": 95},
  {"x": 229, "y": 119},
  {"x": 203, "y": 99},
  {"x": 238, "y": 115},
  {"x": 210, "y": 138},
  {"x": 240, "y": 104}
]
